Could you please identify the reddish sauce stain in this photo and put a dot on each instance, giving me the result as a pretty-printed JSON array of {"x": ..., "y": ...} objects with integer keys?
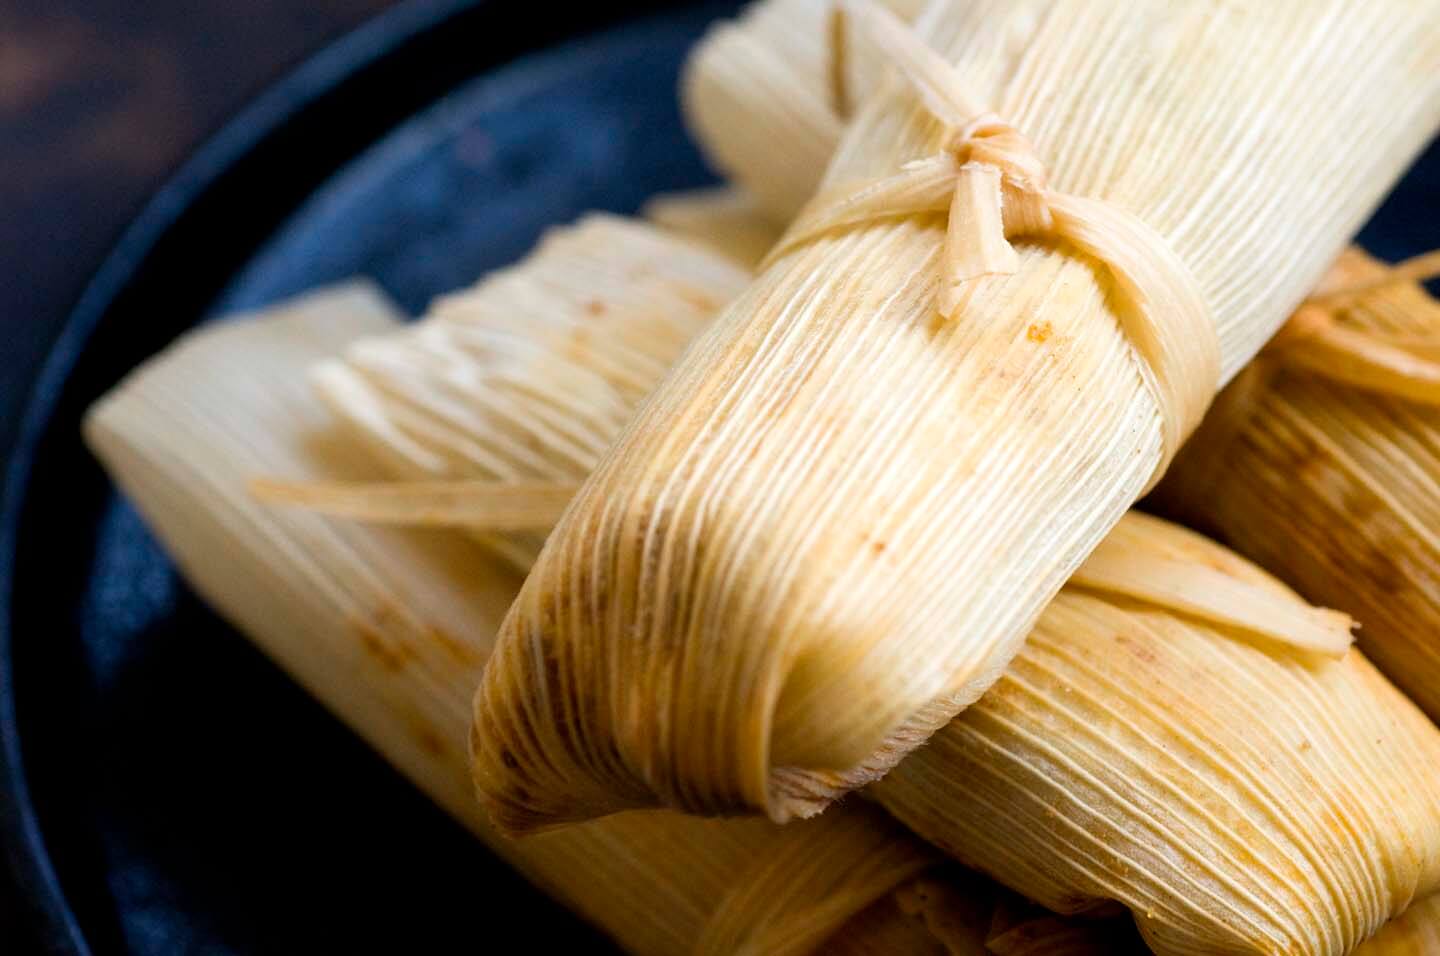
[
  {"x": 430, "y": 741},
  {"x": 392, "y": 657},
  {"x": 461, "y": 652}
]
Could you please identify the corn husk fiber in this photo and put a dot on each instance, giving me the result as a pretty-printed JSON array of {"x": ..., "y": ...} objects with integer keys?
[
  {"x": 830, "y": 528},
  {"x": 722, "y": 218},
  {"x": 1335, "y": 488}
]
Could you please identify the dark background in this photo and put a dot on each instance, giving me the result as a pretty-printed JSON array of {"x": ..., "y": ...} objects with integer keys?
[{"x": 99, "y": 101}]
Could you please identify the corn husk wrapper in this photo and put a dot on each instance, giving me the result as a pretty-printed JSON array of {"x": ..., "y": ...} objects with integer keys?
[
  {"x": 831, "y": 527},
  {"x": 389, "y": 628},
  {"x": 1235, "y": 799},
  {"x": 456, "y": 398},
  {"x": 764, "y": 95},
  {"x": 721, "y": 218},
  {"x": 1209, "y": 821},
  {"x": 1241, "y": 486},
  {"x": 1335, "y": 488},
  {"x": 1416, "y": 932},
  {"x": 952, "y": 913}
]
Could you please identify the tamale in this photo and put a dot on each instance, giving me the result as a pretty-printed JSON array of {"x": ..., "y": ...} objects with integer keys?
[
  {"x": 1380, "y": 570},
  {"x": 1273, "y": 798},
  {"x": 832, "y": 525},
  {"x": 389, "y": 628},
  {"x": 1334, "y": 487},
  {"x": 1236, "y": 799},
  {"x": 1416, "y": 932}
]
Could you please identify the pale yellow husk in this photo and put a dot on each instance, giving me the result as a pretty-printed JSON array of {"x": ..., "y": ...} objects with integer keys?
[
  {"x": 832, "y": 525},
  {"x": 606, "y": 306},
  {"x": 1255, "y": 800},
  {"x": 1416, "y": 932},
  {"x": 1236, "y": 799},
  {"x": 722, "y": 218},
  {"x": 760, "y": 95},
  {"x": 390, "y": 629},
  {"x": 1335, "y": 488}
]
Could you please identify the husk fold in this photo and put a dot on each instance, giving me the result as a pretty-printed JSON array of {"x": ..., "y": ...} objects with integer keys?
[
  {"x": 1335, "y": 487},
  {"x": 829, "y": 529},
  {"x": 767, "y": 96},
  {"x": 606, "y": 306}
]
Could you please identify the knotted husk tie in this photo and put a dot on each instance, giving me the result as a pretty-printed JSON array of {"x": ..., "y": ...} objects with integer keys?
[{"x": 992, "y": 183}]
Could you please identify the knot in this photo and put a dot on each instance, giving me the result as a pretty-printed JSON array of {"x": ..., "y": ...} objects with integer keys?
[
  {"x": 993, "y": 184},
  {"x": 990, "y": 141}
]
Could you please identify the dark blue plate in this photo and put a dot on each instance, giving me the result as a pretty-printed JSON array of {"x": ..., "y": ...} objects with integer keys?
[{"x": 163, "y": 788}]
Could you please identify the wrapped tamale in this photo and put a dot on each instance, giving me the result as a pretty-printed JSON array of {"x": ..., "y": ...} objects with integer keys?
[
  {"x": 1334, "y": 500},
  {"x": 830, "y": 528},
  {"x": 389, "y": 628},
  {"x": 1236, "y": 799},
  {"x": 1333, "y": 485},
  {"x": 1223, "y": 788}
]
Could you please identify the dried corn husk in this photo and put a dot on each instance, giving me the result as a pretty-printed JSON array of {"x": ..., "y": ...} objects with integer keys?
[
  {"x": 607, "y": 306},
  {"x": 831, "y": 527},
  {"x": 390, "y": 628},
  {"x": 1236, "y": 799},
  {"x": 720, "y": 218},
  {"x": 954, "y": 914},
  {"x": 1334, "y": 487},
  {"x": 1117, "y": 686},
  {"x": 765, "y": 96},
  {"x": 1416, "y": 932}
]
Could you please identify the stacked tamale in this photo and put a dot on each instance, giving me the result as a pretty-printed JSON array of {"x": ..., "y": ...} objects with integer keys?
[
  {"x": 411, "y": 654},
  {"x": 1178, "y": 734},
  {"x": 1333, "y": 486}
]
